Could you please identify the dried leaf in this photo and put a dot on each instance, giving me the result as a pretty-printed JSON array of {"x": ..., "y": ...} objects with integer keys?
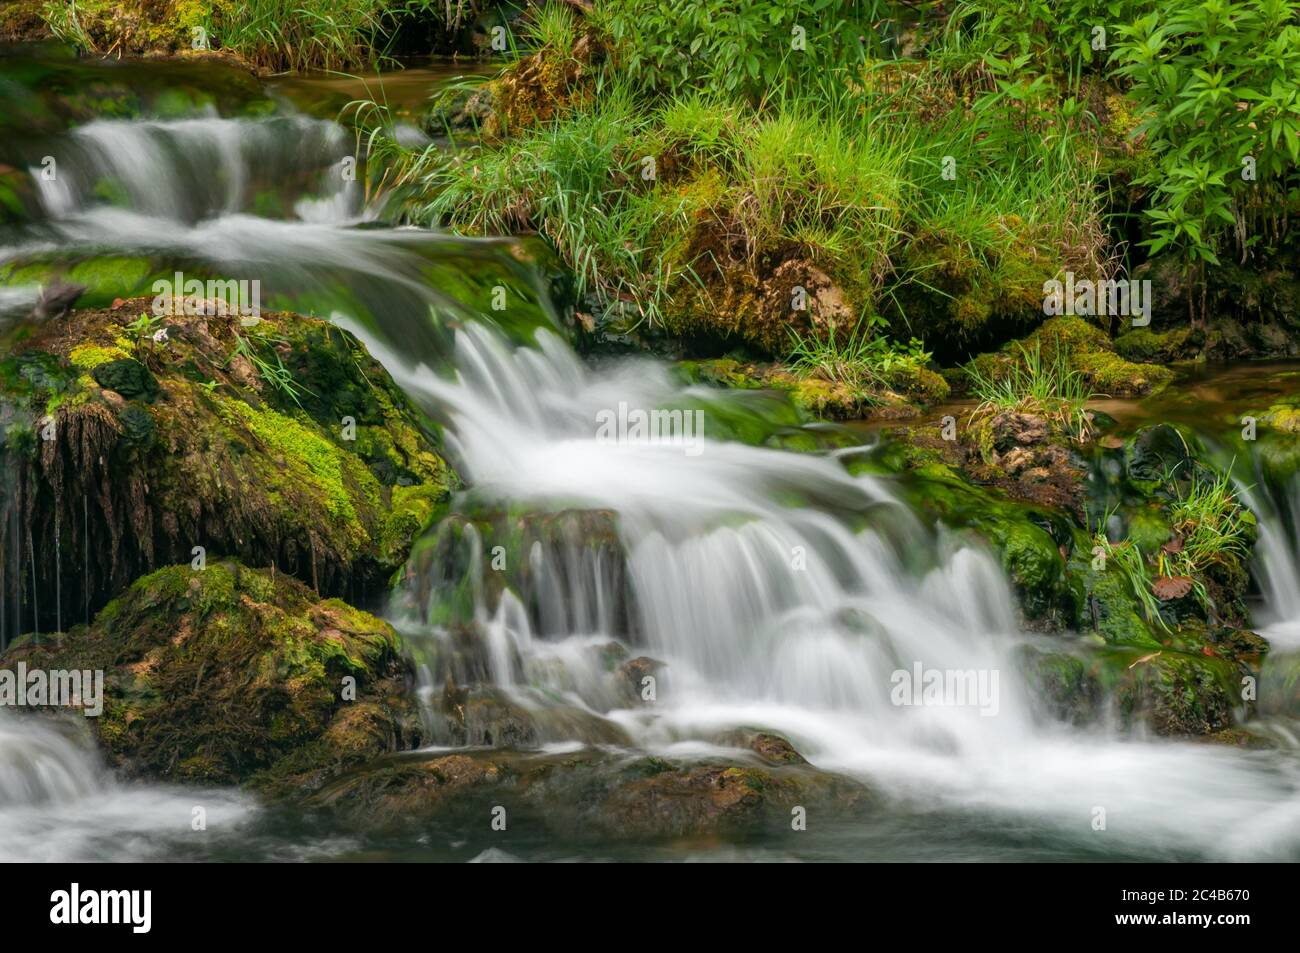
[{"x": 1171, "y": 587}]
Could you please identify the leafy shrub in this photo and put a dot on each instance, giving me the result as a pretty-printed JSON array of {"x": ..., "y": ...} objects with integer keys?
[
  {"x": 744, "y": 47},
  {"x": 1219, "y": 85}
]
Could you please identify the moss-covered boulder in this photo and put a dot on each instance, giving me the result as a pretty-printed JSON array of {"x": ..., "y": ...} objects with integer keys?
[
  {"x": 139, "y": 442},
  {"x": 233, "y": 675},
  {"x": 1091, "y": 354},
  {"x": 1158, "y": 690}
]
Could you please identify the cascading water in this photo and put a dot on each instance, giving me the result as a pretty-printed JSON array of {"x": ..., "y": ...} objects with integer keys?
[
  {"x": 1278, "y": 558},
  {"x": 769, "y": 588}
]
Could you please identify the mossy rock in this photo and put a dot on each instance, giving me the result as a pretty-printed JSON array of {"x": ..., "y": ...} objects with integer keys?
[
  {"x": 592, "y": 794},
  {"x": 1157, "y": 690},
  {"x": 1031, "y": 542},
  {"x": 1173, "y": 693},
  {"x": 1148, "y": 346},
  {"x": 1091, "y": 354},
  {"x": 229, "y": 675},
  {"x": 161, "y": 446},
  {"x": 127, "y": 377},
  {"x": 818, "y": 398}
]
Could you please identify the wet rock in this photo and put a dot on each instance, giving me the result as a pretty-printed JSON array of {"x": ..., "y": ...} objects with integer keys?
[
  {"x": 590, "y": 794},
  {"x": 127, "y": 377},
  {"x": 771, "y": 748},
  {"x": 319, "y": 465},
  {"x": 1155, "y": 690},
  {"x": 233, "y": 675},
  {"x": 491, "y": 718},
  {"x": 1173, "y": 693},
  {"x": 638, "y": 676},
  {"x": 1155, "y": 453},
  {"x": 1011, "y": 430}
]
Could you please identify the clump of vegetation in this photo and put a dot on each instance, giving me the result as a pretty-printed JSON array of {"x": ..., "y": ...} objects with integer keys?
[
  {"x": 1215, "y": 86},
  {"x": 1211, "y": 528},
  {"x": 695, "y": 196},
  {"x": 1208, "y": 547},
  {"x": 862, "y": 360},
  {"x": 273, "y": 374},
  {"x": 1031, "y": 383},
  {"x": 270, "y": 34},
  {"x": 744, "y": 48}
]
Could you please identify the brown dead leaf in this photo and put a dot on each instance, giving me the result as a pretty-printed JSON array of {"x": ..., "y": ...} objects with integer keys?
[{"x": 1171, "y": 587}]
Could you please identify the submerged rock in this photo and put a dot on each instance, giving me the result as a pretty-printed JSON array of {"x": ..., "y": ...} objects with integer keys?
[
  {"x": 234, "y": 675},
  {"x": 283, "y": 444},
  {"x": 590, "y": 794}
]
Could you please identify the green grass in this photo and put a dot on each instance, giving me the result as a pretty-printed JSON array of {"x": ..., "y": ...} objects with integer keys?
[
  {"x": 1128, "y": 559},
  {"x": 1213, "y": 525},
  {"x": 271, "y": 34},
  {"x": 1034, "y": 384},
  {"x": 862, "y": 359}
]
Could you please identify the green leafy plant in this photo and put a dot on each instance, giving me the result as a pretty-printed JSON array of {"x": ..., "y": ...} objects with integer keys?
[
  {"x": 144, "y": 327},
  {"x": 1218, "y": 83},
  {"x": 742, "y": 47},
  {"x": 1211, "y": 527}
]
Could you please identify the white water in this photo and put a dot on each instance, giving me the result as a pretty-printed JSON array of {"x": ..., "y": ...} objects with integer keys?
[
  {"x": 751, "y": 640},
  {"x": 193, "y": 169},
  {"x": 781, "y": 592},
  {"x": 58, "y": 803},
  {"x": 1277, "y": 557}
]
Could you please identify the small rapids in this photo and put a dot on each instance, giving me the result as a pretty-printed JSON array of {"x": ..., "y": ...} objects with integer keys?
[
  {"x": 58, "y": 803},
  {"x": 774, "y": 589}
]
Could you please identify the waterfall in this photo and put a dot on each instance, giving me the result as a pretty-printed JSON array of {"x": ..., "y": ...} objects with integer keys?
[
  {"x": 193, "y": 169},
  {"x": 1277, "y": 555},
  {"x": 755, "y": 586}
]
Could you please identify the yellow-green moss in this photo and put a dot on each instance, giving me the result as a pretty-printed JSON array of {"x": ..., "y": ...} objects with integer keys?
[
  {"x": 87, "y": 357},
  {"x": 215, "y": 674},
  {"x": 337, "y": 474}
]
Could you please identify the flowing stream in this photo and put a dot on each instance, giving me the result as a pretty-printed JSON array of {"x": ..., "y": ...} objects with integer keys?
[{"x": 777, "y": 589}]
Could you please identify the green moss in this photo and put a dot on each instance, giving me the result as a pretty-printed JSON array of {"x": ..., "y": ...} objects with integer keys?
[
  {"x": 109, "y": 278},
  {"x": 1174, "y": 693},
  {"x": 1091, "y": 354},
  {"x": 215, "y": 675},
  {"x": 236, "y": 468},
  {"x": 1149, "y": 529},
  {"x": 87, "y": 357},
  {"x": 1030, "y": 556},
  {"x": 1145, "y": 345},
  {"x": 330, "y": 469}
]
